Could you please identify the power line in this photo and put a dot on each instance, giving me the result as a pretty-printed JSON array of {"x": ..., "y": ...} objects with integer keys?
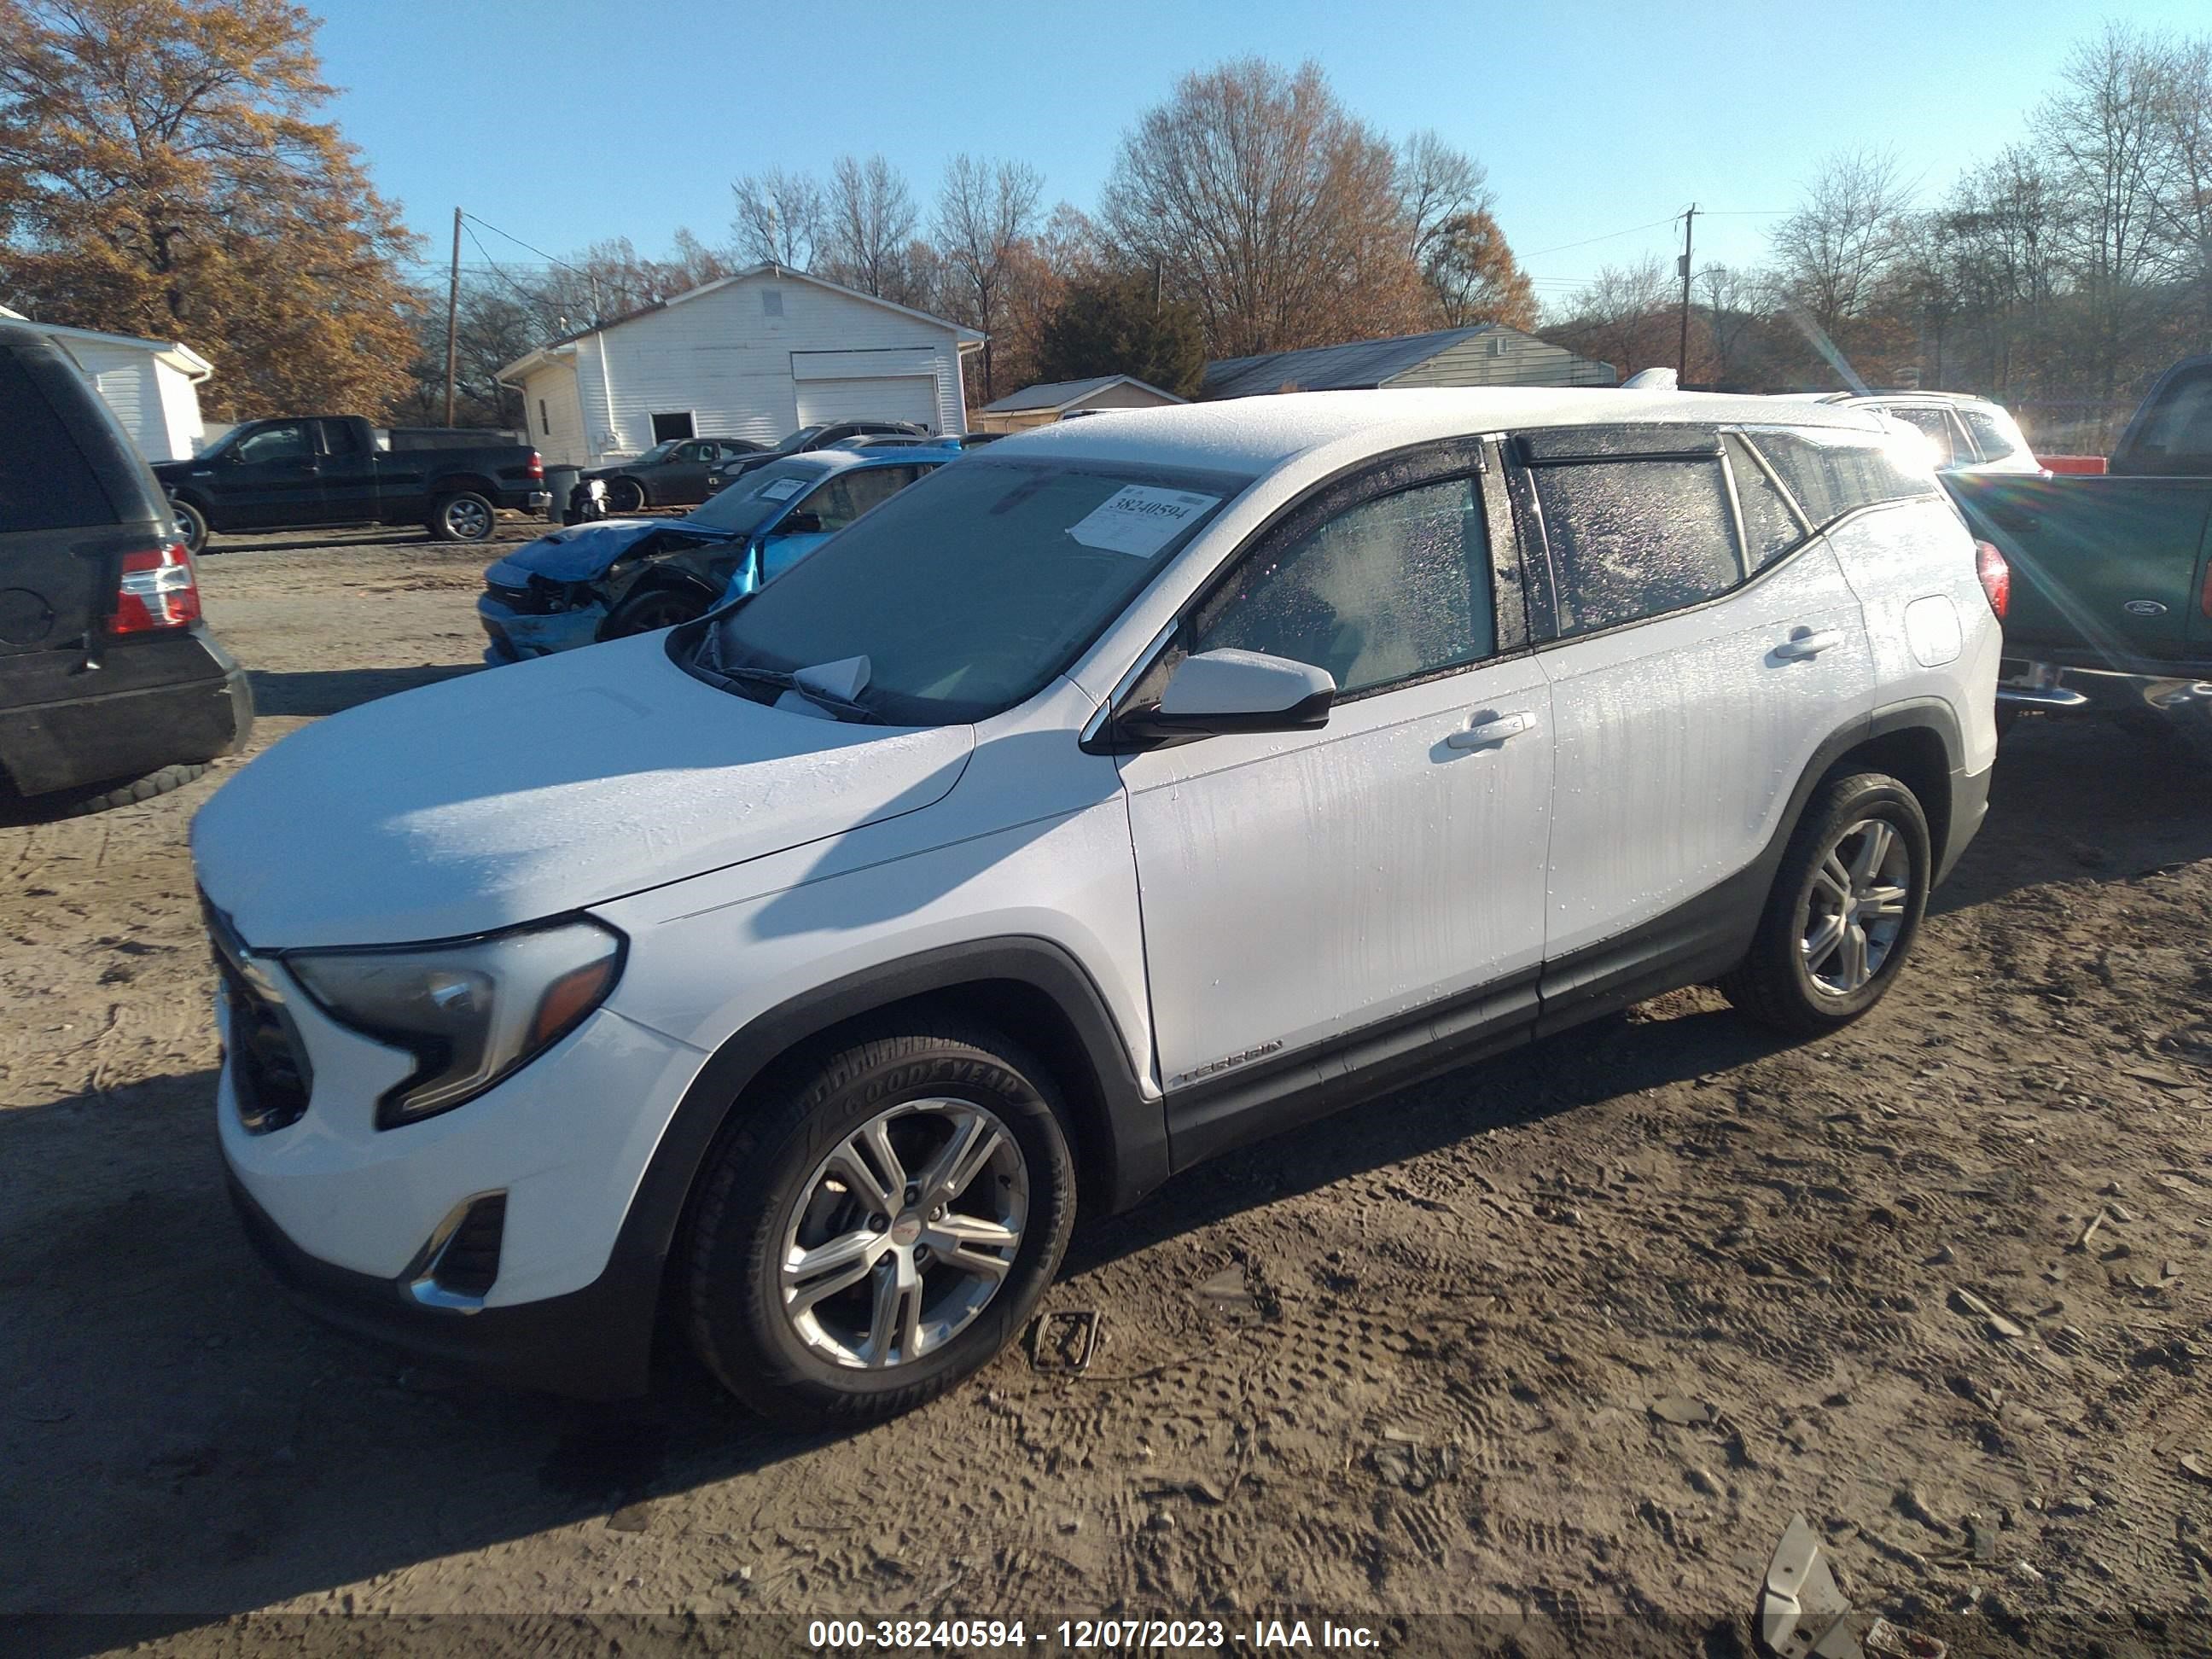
[
  {"x": 519, "y": 242},
  {"x": 1539, "y": 253}
]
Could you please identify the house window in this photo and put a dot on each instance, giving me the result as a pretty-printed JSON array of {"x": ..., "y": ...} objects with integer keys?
[
  {"x": 771, "y": 303},
  {"x": 544, "y": 421},
  {"x": 678, "y": 425}
]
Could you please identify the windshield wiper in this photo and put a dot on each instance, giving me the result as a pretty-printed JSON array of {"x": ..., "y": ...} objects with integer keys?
[{"x": 842, "y": 707}]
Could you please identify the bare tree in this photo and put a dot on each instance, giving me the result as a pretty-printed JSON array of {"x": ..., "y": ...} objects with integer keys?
[
  {"x": 2102, "y": 131},
  {"x": 867, "y": 221},
  {"x": 1625, "y": 317},
  {"x": 985, "y": 213},
  {"x": 1834, "y": 251},
  {"x": 1257, "y": 197},
  {"x": 1436, "y": 186},
  {"x": 2186, "y": 206},
  {"x": 779, "y": 218},
  {"x": 1734, "y": 301}
]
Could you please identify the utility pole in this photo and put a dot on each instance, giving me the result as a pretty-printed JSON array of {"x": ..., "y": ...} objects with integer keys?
[
  {"x": 452, "y": 321},
  {"x": 1682, "y": 353}
]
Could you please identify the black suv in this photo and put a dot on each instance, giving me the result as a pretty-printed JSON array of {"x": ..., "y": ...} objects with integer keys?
[{"x": 112, "y": 690}]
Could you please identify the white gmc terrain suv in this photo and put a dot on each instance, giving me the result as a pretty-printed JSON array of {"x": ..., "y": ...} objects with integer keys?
[{"x": 1127, "y": 791}]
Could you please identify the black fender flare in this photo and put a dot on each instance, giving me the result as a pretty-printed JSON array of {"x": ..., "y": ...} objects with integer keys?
[{"x": 1125, "y": 1133}]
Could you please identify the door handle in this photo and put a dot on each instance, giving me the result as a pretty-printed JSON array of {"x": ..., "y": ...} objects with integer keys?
[
  {"x": 1799, "y": 647},
  {"x": 1496, "y": 730}
]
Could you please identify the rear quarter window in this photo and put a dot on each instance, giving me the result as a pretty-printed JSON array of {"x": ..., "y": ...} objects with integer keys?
[
  {"x": 1634, "y": 538},
  {"x": 46, "y": 482},
  {"x": 1834, "y": 472}
]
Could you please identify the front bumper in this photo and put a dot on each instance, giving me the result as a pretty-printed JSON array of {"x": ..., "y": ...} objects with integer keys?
[
  {"x": 352, "y": 1215},
  {"x": 592, "y": 1343},
  {"x": 511, "y": 636}
]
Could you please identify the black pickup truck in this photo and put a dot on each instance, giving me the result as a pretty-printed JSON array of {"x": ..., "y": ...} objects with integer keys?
[
  {"x": 2112, "y": 572},
  {"x": 337, "y": 468}
]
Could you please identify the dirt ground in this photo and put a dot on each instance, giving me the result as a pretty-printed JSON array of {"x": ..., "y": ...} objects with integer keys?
[{"x": 1562, "y": 1341}]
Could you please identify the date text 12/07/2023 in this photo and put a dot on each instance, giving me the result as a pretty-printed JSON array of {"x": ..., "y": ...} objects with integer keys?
[{"x": 1083, "y": 1635}]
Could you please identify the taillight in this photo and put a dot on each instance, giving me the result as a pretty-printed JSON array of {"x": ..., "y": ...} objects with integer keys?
[
  {"x": 537, "y": 467},
  {"x": 1996, "y": 576},
  {"x": 157, "y": 591}
]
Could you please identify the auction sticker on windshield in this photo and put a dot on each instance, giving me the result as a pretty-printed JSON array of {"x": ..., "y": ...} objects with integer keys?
[
  {"x": 783, "y": 490},
  {"x": 1140, "y": 519}
]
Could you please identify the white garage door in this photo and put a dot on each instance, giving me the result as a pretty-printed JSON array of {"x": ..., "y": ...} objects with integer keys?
[{"x": 887, "y": 397}]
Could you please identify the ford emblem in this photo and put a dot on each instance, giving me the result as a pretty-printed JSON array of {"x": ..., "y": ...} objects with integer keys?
[{"x": 2143, "y": 608}]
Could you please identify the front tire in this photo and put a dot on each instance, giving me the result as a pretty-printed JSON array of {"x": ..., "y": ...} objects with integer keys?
[
  {"x": 625, "y": 495},
  {"x": 1846, "y": 907},
  {"x": 876, "y": 1227},
  {"x": 464, "y": 517},
  {"x": 654, "y": 608}
]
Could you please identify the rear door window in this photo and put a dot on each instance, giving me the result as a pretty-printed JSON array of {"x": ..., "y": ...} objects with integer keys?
[
  {"x": 1932, "y": 424},
  {"x": 46, "y": 482},
  {"x": 1994, "y": 435},
  {"x": 1635, "y": 538},
  {"x": 339, "y": 438},
  {"x": 1834, "y": 472}
]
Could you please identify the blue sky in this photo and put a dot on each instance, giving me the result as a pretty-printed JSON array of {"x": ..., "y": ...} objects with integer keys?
[{"x": 565, "y": 121}]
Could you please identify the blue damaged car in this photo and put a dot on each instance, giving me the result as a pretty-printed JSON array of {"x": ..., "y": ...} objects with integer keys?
[{"x": 622, "y": 576}]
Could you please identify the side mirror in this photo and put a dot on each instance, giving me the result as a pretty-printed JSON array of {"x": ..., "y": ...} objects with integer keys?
[
  {"x": 800, "y": 524},
  {"x": 1218, "y": 692}
]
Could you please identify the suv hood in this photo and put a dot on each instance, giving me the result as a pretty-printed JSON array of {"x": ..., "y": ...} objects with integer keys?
[
  {"x": 492, "y": 799},
  {"x": 584, "y": 552}
]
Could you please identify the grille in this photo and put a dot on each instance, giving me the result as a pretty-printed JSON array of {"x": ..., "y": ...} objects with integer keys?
[
  {"x": 469, "y": 1261},
  {"x": 270, "y": 1071}
]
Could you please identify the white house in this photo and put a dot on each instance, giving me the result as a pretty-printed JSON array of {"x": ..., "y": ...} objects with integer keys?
[
  {"x": 153, "y": 385},
  {"x": 753, "y": 356}
]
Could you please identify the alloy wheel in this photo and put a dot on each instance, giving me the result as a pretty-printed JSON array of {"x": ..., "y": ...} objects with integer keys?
[
  {"x": 1861, "y": 890},
  {"x": 468, "y": 520},
  {"x": 903, "y": 1234}
]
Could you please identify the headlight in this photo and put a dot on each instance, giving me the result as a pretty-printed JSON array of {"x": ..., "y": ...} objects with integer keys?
[{"x": 469, "y": 1012}]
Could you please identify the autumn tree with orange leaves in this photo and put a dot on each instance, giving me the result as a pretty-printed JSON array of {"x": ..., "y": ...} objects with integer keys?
[{"x": 162, "y": 173}]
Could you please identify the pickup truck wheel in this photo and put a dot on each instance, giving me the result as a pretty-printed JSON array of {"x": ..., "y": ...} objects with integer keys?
[
  {"x": 625, "y": 495},
  {"x": 877, "y": 1224},
  {"x": 654, "y": 608},
  {"x": 194, "y": 524},
  {"x": 467, "y": 517},
  {"x": 1845, "y": 909}
]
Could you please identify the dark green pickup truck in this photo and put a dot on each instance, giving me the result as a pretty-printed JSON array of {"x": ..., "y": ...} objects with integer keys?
[{"x": 2112, "y": 596}]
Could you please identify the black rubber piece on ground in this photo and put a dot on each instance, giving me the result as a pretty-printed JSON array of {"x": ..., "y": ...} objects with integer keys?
[
  {"x": 104, "y": 797},
  {"x": 1773, "y": 986},
  {"x": 776, "y": 1136}
]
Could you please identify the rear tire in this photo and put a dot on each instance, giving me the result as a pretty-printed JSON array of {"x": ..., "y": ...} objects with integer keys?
[
  {"x": 1846, "y": 907},
  {"x": 194, "y": 524},
  {"x": 930, "y": 1262},
  {"x": 463, "y": 517}
]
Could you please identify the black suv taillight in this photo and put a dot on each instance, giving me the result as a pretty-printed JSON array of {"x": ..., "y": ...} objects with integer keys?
[{"x": 158, "y": 590}]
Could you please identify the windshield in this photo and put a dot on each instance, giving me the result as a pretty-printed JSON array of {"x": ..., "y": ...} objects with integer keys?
[
  {"x": 758, "y": 496},
  {"x": 969, "y": 590},
  {"x": 795, "y": 440},
  {"x": 660, "y": 452}
]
